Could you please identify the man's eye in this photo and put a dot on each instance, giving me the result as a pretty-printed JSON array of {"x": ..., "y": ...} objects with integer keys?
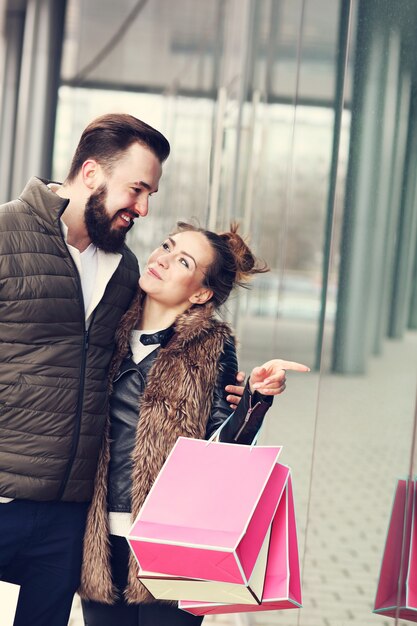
[{"x": 136, "y": 189}]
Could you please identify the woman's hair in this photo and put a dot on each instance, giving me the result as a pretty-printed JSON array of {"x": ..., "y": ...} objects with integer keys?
[
  {"x": 108, "y": 137},
  {"x": 234, "y": 262}
]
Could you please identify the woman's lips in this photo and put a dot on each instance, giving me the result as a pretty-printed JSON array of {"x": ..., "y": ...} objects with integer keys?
[{"x": 154, "y": 273}]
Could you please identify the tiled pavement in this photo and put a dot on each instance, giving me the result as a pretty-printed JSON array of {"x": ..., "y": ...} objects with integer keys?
[{"x": 357, "y": 448}]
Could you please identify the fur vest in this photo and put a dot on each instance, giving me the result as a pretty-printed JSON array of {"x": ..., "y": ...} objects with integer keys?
[{"x": 176, "y": 402}]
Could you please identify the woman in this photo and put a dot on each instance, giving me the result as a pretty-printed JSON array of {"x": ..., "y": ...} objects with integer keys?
[{"x": 172, "y": 362}]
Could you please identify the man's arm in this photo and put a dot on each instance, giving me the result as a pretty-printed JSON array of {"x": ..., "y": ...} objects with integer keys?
[{"x": 235, "y": 391}]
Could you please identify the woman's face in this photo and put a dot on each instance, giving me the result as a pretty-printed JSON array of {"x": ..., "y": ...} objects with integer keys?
[{"x": 175, "y": 271}]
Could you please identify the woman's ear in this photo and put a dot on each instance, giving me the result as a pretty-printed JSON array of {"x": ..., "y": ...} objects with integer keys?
[{"x": 201, "y": 296}]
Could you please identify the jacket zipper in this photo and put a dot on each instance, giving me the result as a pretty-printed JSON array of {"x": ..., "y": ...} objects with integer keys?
[
  {"x": 80, "y": 400},
  {"x": 80, "y": 403},
  {"x": 246, "y": 420}
]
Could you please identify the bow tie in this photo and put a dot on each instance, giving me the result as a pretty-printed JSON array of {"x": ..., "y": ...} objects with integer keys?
[{"x": 161, "y": 337}]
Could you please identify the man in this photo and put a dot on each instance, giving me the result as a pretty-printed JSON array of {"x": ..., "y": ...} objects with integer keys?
[{"x": 66, "y": 278}]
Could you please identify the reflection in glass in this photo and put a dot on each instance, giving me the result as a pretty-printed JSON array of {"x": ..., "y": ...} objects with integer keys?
[{"x": 297, "y": 118}]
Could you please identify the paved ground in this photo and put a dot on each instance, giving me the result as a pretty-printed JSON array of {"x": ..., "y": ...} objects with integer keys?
[{"x": 347, "y": 440}]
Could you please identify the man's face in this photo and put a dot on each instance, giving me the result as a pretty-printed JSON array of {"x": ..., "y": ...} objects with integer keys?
[{"x": 121, "y": 197}]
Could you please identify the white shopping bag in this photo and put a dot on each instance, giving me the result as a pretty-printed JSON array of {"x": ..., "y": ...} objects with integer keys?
[{"x": 9, "y": 595}]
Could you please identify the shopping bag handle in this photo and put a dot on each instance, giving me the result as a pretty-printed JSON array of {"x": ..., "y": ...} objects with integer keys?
[
  {"x": 255, "y": 439},
  {"x": 214, "y": 436}
]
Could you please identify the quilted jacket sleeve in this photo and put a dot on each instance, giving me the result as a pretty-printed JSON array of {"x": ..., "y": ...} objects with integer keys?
[{"x": 249, "y": 415}]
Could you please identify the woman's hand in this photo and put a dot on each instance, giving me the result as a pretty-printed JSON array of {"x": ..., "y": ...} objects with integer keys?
[{"x": 270, "y": 378}]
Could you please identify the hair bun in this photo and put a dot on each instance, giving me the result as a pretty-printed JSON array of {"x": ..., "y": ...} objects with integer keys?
[{"x": 246, "y": 263}]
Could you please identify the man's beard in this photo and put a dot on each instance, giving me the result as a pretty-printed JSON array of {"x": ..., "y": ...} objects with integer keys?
[{"x": 99, "y": 224}]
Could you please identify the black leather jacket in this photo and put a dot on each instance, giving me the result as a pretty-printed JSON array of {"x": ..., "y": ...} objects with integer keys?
[{"x": 129, "y": 385}]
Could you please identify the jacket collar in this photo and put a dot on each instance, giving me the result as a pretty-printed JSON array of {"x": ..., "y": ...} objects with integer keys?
[
  {"x": 162, "y": 337},
  {"x": 43, "y": 201}
]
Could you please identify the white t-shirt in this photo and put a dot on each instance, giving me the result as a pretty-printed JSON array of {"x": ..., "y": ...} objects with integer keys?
[
  {"x": 88, "y": 274},
  {"x": 86, "y": 263}
]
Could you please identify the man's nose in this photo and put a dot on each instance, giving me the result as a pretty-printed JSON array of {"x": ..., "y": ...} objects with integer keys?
[{"x": 141, "y": 207}]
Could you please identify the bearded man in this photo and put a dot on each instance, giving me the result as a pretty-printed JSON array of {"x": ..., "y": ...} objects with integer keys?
[{"x": 66, "y": 278}]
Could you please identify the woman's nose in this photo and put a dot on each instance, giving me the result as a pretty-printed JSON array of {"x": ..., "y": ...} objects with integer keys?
[{"x": 163, "y": 260}]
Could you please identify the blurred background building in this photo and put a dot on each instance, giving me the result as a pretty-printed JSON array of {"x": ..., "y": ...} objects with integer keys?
[{"x": 298, "y": 118}]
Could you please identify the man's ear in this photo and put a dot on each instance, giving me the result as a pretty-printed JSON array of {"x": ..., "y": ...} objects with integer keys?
[
  {"x": 90, "y": 171},
  {"x": 201, "y": 296}
]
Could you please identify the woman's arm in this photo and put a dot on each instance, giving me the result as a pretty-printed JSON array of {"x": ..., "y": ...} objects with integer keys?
[
  {"x": 249, "y": 414},
  {"x": 247, "y": 417},
  {"x": 264, "y": 382}
]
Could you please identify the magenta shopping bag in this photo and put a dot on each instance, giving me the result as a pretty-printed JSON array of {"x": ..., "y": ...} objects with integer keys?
[
  {"x": 164, "y": 587},
  {"x": 209, "y": 511},
  {"x": 282, "y": 588},
  {"x": 397, "y": 587}
]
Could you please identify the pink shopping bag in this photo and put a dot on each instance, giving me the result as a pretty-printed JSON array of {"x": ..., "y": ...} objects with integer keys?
[
  {"x": 397, "y": 587},
  {"x": 282, "y": 588},
  {"x": 209, "y": 510},
  {"x": 174, "y": 588}
]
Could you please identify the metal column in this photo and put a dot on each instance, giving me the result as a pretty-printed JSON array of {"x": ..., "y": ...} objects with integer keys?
[
  {"x": 39, "y": 82},
  {"x": 339, "y": 97},
  {"x": 13, "y": 27},
  {"x": 383, "y": 211},
  {"x": 396, "y": 192},
  {"x": 406, "y": 239},
  {"x": 351, "y": 347}
]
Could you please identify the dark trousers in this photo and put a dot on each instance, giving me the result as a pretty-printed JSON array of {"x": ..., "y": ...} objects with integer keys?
[
  {"x": 157, "y": 614},
  {"x": 41, "y": 550}
]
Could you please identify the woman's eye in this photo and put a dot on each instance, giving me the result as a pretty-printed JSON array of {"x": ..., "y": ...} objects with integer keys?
[
  {"x": 184, "y": 262},
  {"x": 165, "y": 245}
]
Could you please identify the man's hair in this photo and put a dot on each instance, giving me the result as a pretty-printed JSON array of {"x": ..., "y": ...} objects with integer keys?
[{"x": 107, "y": 137}]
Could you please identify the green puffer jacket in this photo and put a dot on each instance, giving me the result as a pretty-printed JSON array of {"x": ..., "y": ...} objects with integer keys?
[{"x": 53, "y": 371}]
